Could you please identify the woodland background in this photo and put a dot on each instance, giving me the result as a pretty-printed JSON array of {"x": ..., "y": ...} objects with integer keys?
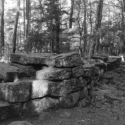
[{"x": 57, "y": 26}]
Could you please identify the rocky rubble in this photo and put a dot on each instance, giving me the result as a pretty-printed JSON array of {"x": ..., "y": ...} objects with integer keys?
[{"x": 38, "y": 82}]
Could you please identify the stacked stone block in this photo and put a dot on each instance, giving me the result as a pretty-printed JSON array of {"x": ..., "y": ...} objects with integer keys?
[{"x": 33, "y": 83}]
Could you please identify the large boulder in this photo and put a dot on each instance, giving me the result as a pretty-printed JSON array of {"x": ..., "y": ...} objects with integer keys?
[
  {"x": 9, "y": 72},
  {"x": 83, "y": 93},
  {"x": 28, "y": 70},
  {"x": 67, "y": 60},
  {"x": 69, "y": 101},
  {"x": 33, "y": 58},
  {"x": 50, "y": 73},
  {"x": 78, "y": 71},
  {"x": 10, "y": 111},
  {"x": 61, "y": 60},
  {"x": 72, "y": 85},
  {"x": 113, "y": 62},
  {"x": 41, "y": 88},
  {"x": 37, "y": 106},
  {"x": 15, "y": 91}
]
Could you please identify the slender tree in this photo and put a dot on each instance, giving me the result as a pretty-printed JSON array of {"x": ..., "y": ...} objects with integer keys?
[
  {"x": 57, "y": 25},
  {"x": 85, "y": 27},
  {"x": 24, "y": 16},
  {"x": 123, "y": 25},
  {"x": 91, "y": 26},
  {"x": 15, "y": 26},
  {"x": 71, "y": 14},
  {"x": 27, "y": 17},
  {"x": 2, "y": 24},
  {"x": 98, "y": 23}
]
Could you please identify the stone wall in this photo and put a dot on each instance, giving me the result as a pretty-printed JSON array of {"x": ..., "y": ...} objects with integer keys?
[{"x": 33, "y": 83}]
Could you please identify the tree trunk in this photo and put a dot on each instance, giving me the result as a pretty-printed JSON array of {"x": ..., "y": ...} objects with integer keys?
[
  {"x": 123, "y": 27},
  {"x": 57, "y": 35},
  {"x": 57, "y": 25},
  {"x": 90, "y": 21},
  {"x": 98, "y": 24},
  {"x": 91, "y": 17},
  {"x": 2, "y": 25},
  {"x": 52, "y": 27},
  {"x": 24, "y": 18},
  {"x": 27, "y": 17},
  {"x": 15, "y": 26},
  {"x": 71, "y": 14},
  {"x": 85, "y": 27}
]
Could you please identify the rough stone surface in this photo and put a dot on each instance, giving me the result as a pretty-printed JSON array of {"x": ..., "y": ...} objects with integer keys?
[
  {"x": 23, "y": 58},
  {"x": 101, "y": 57},
  {"x": 67, "y": 60},
  {"x": 61, "y": 60},
  {"x": 78, "y": 71},
  {"x": 37, "y": 106},
  {"x": 87, "y": 73},
  {"x": 28, "y": 70},
  {"x": 69, "y": 101},
  {"x": 113, "y": 62},
  {"x": 107, "y": 75},
  {"x": 72, "y": 85},
  {"x": 41, "y": 88},
  {"x": 50, "y": 73},
  {"x": 88, "y": 66},
  {"x": 20, "y": 123},
  {"x": 15, "y": 91},
  {"x": 10, "y": 111},
  {"x": 9, "y": 73},
  {"x": 83, "y": 93},
  {"x": 83, "y": 70}
]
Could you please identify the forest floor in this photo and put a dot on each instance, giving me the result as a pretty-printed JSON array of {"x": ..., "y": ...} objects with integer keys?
[{"x": 108, "y": 107}]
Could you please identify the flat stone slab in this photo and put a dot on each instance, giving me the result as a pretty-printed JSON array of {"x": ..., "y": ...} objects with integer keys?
[
  {"x": 28, "y": 70},
  {"x": 10, "y": 111},
  {"x": 101, "y": 57},
  {"x": 67, "y": 60},
  {"x": 20, "y": 123},
  {"x": 118, "y": 58},
  {"x": 9, "y": 73},
  {"x": 37, "y": 106},
  {"x": 24, "y": 59},
  {"x": 61, "y": 60},
  {"x": 50, "y": 73},
  {"x": 15, "y": 91},
  {"x": 83, "y": 70},
  {"x": 41, "y": 88}
]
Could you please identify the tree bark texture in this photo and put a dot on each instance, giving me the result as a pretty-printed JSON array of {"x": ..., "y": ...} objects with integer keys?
[
  {"x": 85, "y": 27},
  {"x": 15, "y": 27},
  {"x": 27, "y": 17},
  {"x": 71, "y": 14},
  {"x": 98, "y": 23},
  {"x": 2, "y": 24}
]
